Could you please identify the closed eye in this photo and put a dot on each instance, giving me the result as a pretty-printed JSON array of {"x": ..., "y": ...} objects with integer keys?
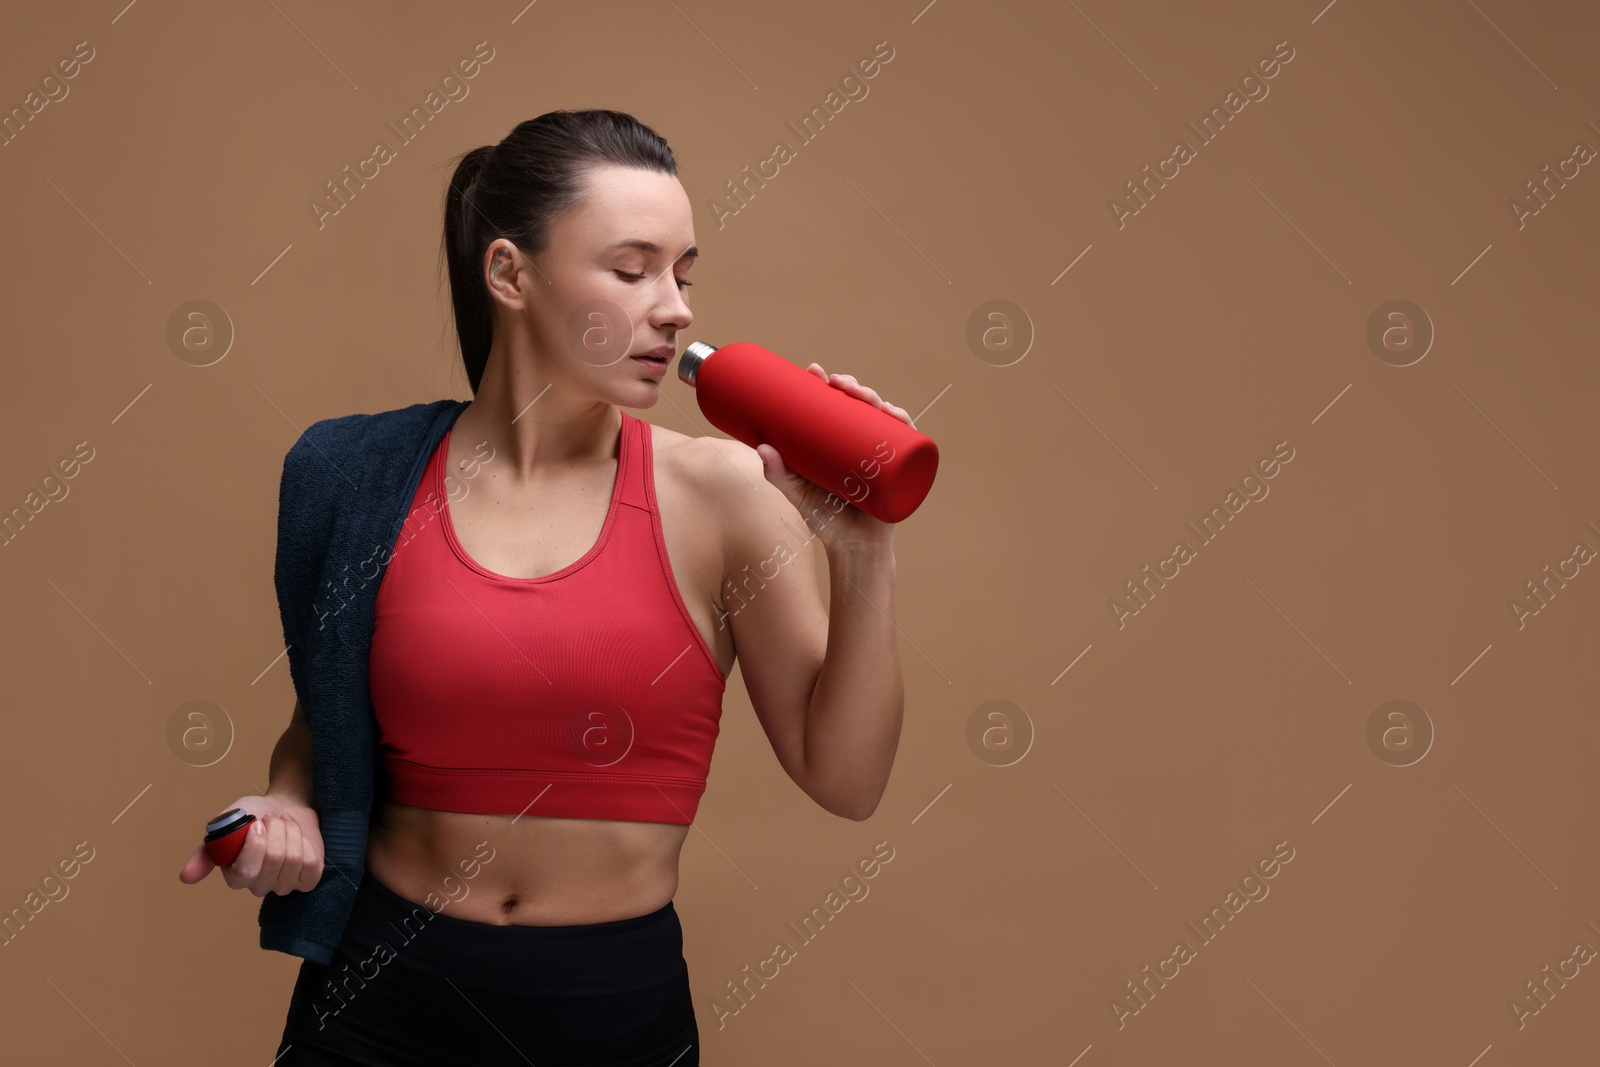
[{"x": 625, "y": 276}]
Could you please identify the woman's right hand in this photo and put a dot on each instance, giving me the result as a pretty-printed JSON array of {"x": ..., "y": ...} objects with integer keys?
[{"x": 282, "y": 851}]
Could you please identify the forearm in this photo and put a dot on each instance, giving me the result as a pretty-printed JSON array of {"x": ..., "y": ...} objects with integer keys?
[
  {"x": 852, "y": 725},
  {"x": 289, "y": 777}
]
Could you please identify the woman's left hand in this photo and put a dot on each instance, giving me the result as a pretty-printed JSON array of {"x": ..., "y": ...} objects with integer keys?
[{"x": 835, "y": 525}]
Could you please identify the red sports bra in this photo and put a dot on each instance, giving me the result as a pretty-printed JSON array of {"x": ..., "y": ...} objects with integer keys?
[{"x": 585, "y": 693}]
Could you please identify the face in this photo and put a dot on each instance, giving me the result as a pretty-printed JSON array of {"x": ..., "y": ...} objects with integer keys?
[{"x": 612, "y": 284}]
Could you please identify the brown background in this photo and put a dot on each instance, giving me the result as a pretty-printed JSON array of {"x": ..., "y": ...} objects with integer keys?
[{"x": 1231, "y": 714}]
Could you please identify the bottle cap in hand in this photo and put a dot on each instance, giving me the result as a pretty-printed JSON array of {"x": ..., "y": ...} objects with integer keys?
[{"x": 225, "y": 835}]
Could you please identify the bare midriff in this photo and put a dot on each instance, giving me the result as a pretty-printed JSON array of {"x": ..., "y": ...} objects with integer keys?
[{"x": 524, "y": 870}]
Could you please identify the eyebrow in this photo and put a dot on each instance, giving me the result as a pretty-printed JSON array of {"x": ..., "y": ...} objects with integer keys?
[{"x": 654, "y": 249}]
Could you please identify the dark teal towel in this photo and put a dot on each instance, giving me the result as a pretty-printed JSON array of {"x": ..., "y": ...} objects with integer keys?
[{"x": 346, "y": 487}]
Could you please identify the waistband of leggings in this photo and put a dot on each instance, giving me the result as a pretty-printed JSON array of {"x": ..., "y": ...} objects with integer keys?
[{"x": 394, "y": 906}]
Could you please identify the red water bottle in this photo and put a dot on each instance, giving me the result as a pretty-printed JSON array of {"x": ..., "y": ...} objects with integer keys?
[{"x": 825, "y": 435}]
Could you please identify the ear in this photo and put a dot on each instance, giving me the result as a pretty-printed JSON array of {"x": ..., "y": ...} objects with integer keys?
[{"x": 503, "y": 274}]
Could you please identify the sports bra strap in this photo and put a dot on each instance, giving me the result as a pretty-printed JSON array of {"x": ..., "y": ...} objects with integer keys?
[{"x": 636, "y": 462}]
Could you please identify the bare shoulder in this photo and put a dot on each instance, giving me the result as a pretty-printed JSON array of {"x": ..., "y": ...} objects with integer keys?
[
  {"x": 723, "y": 476},
  {"x": 737, "y": 465},
  {"x": 713, "y": 468}
]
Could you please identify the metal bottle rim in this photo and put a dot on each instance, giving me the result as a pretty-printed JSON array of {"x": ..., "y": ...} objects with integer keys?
[{"x": 689, "y": 363}]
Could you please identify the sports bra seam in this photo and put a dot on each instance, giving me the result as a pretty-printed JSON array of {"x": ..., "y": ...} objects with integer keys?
[{"x": 647, "y": 468}]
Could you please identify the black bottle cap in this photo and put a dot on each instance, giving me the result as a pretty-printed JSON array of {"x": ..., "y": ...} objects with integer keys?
[{"x": 227, "y": 823}]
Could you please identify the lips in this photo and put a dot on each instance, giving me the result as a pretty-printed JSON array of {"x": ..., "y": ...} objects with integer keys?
[{"x": 656, "y": 360}]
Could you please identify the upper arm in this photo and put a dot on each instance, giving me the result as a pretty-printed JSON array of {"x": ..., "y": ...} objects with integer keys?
[
  {"x": 299, "y": 716},
  {"x": 769, "y": 590}
]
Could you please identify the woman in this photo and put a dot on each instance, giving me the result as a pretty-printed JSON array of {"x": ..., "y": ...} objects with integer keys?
[{"x": 549, "y": 644}]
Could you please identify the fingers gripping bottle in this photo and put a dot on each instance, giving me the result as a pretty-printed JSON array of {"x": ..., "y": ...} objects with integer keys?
[{"x": 848, "y": 447}]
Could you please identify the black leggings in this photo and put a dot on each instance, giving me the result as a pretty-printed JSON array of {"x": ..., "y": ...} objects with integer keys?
[{"x": 411, "y": 986}]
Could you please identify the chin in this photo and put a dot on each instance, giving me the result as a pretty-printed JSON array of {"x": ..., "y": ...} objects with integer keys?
[{"x": 640, "y": 394}]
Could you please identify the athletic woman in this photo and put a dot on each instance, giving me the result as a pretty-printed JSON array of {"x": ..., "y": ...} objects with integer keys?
[{"x": 516, "y": 905}]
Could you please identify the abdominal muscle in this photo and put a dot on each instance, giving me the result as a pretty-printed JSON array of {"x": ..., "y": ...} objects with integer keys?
[{"x": 524, "y": 870}]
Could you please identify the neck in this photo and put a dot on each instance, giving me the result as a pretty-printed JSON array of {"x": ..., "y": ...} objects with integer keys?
[{"x": 534, "y": 421}]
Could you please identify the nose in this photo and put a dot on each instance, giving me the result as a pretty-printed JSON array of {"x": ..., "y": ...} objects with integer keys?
[{"x": 670, "y": 311}]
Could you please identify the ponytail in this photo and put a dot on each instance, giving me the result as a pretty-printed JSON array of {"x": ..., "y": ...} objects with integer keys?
[{"x": 468, "y": 297}]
